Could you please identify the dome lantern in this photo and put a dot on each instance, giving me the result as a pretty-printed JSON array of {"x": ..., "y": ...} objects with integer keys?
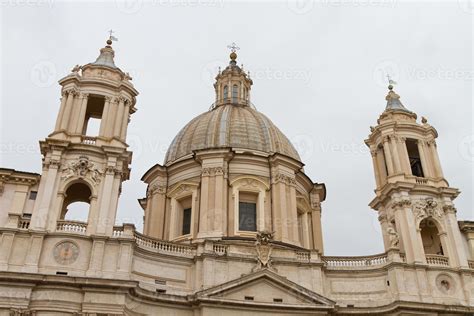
[{"x": 233, "y": 84}]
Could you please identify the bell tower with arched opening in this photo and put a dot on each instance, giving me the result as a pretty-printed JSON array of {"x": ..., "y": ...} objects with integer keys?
[
  {"x": 413, "y": 199},
  {"x": 85, "y": 158}
]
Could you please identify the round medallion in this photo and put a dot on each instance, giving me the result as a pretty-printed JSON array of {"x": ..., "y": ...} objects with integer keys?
[
  {"x": 445, "y": 283},
  {"x": 66, "y": 252}
]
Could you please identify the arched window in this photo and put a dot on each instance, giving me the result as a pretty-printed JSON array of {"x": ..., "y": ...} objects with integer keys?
[
  {"x": 76, "y": 202},
  {"x": 430, "y": 237},
  {"x": 226, "y": 92},
  {"x": 235, "y": 92}
]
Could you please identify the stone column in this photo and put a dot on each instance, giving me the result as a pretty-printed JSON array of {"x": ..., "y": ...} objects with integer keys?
[
  {"x": 404, "y": 156},
  {"x": 204, "y": 207},
  {"x": 436, "y": 161},
  {"x": 388, "y": 157},
  {"x": 220, "y": 209},
  {"x": 293, "y": 211},
  {"x": 316, "y": 221},
  {"x": 46, "y": 193},
  {"x": 407, "y": 230},
  {"x": 280, "y": 208},
  {"x": 378, "y": 182},
  {"x": 455, "y": 238},
  {"x": 305, "y": 228},
  {"x": 111, "y": 117},
  {"x": 68, "y": 109},
  {"x": 61, "y": 111},
  {"x": 119, "y": 118},
  {"x": 82, "y": 114},
  {"x": 156, "y": 210},
  {"x": 125, "y": 118},
  {"x": 105, "y": 202},
  {"x": 396, "y": 156},
  {"x": 105, "y": 115}
]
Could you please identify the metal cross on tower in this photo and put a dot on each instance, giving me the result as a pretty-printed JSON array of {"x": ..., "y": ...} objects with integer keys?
[{"x": 233, "y": 47}]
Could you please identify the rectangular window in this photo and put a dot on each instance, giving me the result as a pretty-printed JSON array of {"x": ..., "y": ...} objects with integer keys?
[
  {"x": 247, "y": 216},
  {"x": 33, "y": 195},
  {"x": 414, "y": 156},
  {"x": 186, "y": 221}
]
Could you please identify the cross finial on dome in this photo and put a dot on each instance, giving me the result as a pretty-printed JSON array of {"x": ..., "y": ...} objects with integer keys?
[
  {"x": 233, "y": 55},
  {"x": 393, "y": 99}
]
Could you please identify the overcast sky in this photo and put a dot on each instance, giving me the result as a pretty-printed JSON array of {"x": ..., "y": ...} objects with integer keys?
[{"x": 318, "y": 70}]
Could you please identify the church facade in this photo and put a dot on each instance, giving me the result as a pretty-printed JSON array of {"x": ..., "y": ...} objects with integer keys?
[{"x": 232, "y": 223}]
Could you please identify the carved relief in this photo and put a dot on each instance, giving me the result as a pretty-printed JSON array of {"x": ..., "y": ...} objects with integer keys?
[
  {"x": 2, "y": 187},
  {"x": 158, "y": 187},
  {"x": 445, "y": 283},
  {"x": 426, "y": 208},
  {"x": 264, "y": 250},
  {"x": 449, "y": 208},
  {"x": 82, "y": 168},
  {"x": 402, "y": 203},
  {"x": 212, "y": 171},
  {"x": 283, "y": 178}
]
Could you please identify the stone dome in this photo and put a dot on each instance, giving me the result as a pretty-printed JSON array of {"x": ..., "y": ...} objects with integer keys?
[{"x": 234, "y": 126}]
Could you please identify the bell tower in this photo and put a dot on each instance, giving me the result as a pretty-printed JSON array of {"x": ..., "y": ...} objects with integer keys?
[
  {"x": 85, "y": 158},
  {"x": 413, "y": 199}
]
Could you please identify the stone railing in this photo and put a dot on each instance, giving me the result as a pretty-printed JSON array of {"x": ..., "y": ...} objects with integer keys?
[
  {"x": 355, "y": 262},
  {"x": 471, "y": 264},
  {"x": 303, "y": 255},
  {"x": 162, "y": 246},
  {"x": 24, "y": 223},
  {"x": 117, "y": 231},
  {"x": 220, "y": 249},
  {"x": 88, "y": 140},
  {"x": 437, "y": 260},
  {"x": 75, "y": 227}
]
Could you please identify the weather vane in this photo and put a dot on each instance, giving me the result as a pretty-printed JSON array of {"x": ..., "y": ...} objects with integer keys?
[
  {"x": 390, "y": 81},
  {"x": 111, "y": 37},
  {"x": 233, "y": 47}
]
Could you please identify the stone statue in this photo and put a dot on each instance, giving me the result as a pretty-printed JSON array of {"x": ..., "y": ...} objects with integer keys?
[{"x": 393, "y": 237}]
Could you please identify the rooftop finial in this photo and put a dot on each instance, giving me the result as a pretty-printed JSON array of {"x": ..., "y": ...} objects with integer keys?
[
  {"x": 390, "y": 82},
  {"x": 111, "y": 37},
  {"x": 233, "y": 55}
]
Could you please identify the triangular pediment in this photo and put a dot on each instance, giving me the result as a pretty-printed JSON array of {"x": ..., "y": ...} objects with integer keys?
[{"x": 262, "y": 288}]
